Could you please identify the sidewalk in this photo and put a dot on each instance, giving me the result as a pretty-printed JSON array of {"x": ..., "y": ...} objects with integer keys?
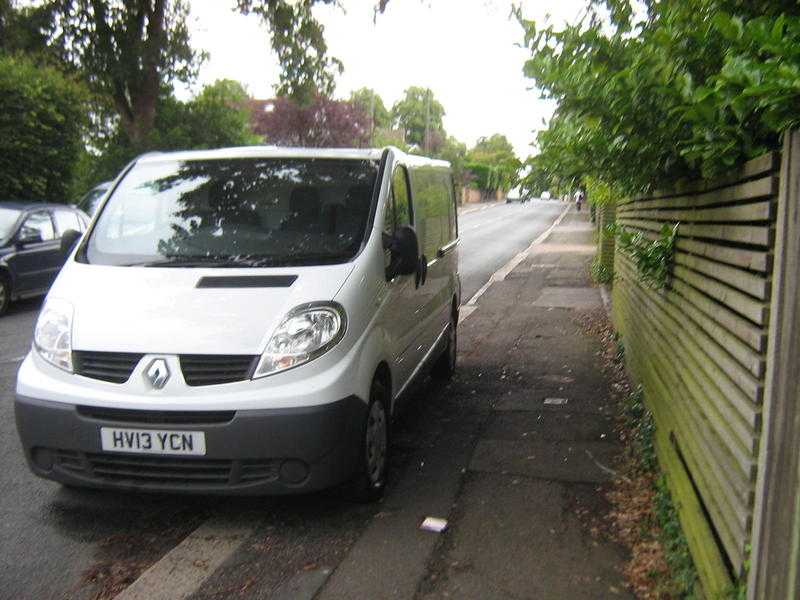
[{"x": 522, "y": 523}]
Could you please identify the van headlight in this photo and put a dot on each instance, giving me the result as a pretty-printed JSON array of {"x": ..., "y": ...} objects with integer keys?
[
  {"x": 52, "y": 337},
  {"x": 308, "y": 331}
]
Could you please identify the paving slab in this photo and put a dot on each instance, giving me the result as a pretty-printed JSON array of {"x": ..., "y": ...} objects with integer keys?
[
  {"x": 550, "y": 425},
  {"x": 517, "y": 539},
  {"x": 569, "y": 297},
  {"x": 562, "y": 460}
]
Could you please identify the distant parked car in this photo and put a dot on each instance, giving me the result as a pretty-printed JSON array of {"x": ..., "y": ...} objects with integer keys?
[
  {"x": 30, "y": 246},
  {"x": 515, "y": 195},
  {"x": 545, "y": 195},
  {"x": 91, "y": 200}
]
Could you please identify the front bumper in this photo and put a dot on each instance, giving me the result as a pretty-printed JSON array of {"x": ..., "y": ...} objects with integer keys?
[{"x": 248, "y": 452}]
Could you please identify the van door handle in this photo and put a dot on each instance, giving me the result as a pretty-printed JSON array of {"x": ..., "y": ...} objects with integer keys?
[{"x": 447, "y": 248}]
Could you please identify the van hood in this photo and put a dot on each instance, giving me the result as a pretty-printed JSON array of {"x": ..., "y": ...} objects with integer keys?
[{"x": 162, "y": 310}]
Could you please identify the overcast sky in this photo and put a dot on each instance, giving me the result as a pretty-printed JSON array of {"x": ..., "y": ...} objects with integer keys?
[{"x": 466, "y": 51}]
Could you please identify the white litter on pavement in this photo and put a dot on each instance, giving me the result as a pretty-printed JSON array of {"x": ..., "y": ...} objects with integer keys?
[
  {"x": 555, "y": 401},
  {"x": 434, "y": 524}
]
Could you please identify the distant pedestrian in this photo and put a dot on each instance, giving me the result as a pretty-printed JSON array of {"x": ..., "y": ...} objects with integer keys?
[{"x": 579, "y": 199}]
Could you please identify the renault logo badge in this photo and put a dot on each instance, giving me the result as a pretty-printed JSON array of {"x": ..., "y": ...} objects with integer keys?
[{"x": 157, "y": 373}]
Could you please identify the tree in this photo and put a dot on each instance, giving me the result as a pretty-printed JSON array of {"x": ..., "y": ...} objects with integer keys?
[
  {"x": 218, "y": 116},
  {"x": 127, "y": 52},
  {"x": 324, "y": 123},
  {"x": 493, "y": 150},
  {"x": 23, "y": 29},
  {"x": 299, "y": 41},
  {"x": 389, "y": 137},
  {"x": 493, "y": 164},
  {"x": 688, "y": 89},
  {"x": 41, "y": 127},
  {"x": 420, "y": 116},
  {"x": 370, "y": 102},
  {"x": 455, "y": 153}
]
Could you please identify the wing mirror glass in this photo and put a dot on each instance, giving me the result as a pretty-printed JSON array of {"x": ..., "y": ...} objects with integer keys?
[
  {"x": 404, "y": 249},
  {"x": 29, "y": 236}
]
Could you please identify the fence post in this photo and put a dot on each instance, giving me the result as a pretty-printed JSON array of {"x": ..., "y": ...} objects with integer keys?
[
  {"x": 775, "y": 556},
  {"x": 606, "y": 215}
]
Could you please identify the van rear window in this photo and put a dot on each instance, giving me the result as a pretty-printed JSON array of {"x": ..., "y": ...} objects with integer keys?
[{"x": 238, "y": 212}]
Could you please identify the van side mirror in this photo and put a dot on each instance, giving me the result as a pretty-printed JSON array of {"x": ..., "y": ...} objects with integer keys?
[
  {"x": 404, "y": 249},
  {"x": 68, "y": 240}
]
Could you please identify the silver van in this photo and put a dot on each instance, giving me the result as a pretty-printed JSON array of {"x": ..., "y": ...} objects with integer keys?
[{"x": 244, "y": 321}]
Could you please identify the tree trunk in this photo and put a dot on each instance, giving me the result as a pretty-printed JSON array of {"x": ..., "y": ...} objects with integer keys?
[{"x": 136, "y": 86}]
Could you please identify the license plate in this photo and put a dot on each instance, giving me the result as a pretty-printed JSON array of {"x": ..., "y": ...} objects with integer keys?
[{"x": 153, "y": 441}]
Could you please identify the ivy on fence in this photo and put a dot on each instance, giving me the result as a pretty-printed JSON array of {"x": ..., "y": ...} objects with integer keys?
[{"x": 653, "y": 258}]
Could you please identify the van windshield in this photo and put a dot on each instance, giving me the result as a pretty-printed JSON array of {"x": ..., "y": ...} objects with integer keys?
[{"x": 260, "y": 212}]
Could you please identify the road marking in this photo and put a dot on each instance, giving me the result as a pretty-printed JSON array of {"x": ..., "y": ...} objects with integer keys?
[
  {"x": 465, "y": 311},
  {"x": 503, "y": 271},
  {"x": 479, "y": 208},
  {"x": 182, "y": 571}
]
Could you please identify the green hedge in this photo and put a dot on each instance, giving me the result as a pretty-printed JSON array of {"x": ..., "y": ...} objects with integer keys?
[{"x": 42, "y": 119}]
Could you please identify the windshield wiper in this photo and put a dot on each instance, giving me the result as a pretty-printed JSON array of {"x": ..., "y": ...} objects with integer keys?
[
  {"x": 318, "y": 259},
  {"x": 189, "y": 262}
]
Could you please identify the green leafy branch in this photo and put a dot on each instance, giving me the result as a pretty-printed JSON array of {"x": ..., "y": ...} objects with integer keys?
[{"x": 653, "y": 258}]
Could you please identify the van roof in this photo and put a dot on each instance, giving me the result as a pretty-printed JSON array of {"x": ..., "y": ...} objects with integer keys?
[{"x": 286, "y": 152}]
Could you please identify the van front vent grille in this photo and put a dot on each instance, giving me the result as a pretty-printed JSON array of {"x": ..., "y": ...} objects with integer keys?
[
  {"x": 157, "y": 417},
  {"x": 169, "y": 471},
  {"x": 187, "y": 471},
  {"x": 214, "y": 369},
  {"x": 114, "y": 367}
]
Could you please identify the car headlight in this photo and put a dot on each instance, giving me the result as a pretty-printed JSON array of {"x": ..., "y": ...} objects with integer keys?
[
  {"x": 52, "y": 337},
  {"x": 305, "y": 333}
]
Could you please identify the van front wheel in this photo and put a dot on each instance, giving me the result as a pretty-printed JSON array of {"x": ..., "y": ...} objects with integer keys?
[
  {"x": 5, "y": 293},
  {"x": 370, "y": 480},
  {"x": 445, "y": 365}
]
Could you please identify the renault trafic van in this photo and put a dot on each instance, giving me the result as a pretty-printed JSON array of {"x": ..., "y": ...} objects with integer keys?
[{"x": 244, "y": 321}]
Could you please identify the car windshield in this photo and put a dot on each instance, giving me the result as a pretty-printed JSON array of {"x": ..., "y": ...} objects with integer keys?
[
  {"x": 8, "y": 218},
  {"x": 238, "y": 212}
]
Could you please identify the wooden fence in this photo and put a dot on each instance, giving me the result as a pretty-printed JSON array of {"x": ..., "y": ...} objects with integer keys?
[{"x": 706, "y": 354}]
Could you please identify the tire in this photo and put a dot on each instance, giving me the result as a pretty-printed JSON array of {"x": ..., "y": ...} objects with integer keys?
[
  {"x": 369, "y": 482},
  {"x": 5, "y": 293},
  {"x": 445, "y": 366}
]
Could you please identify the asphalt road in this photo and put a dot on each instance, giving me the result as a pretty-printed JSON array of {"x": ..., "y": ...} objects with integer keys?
[
  {"x": 61, "y": 543},
  {"x": 491, "y": 237}
]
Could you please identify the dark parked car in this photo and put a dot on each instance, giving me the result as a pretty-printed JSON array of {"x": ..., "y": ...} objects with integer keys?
[
  {"x": 91, "y": 200},
  {"x": 30, "y": 246}
]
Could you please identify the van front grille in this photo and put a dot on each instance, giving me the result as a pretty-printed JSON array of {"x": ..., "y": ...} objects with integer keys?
[
  {"x": 114, "y": 367},
  {"x": 214, "y": 369},
  {"x": 166, "y": 470},
  {"x": 198, "y": 369}
]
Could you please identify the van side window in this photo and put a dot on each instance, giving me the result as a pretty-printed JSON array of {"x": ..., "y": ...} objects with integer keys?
[
  {"x": 432, "y": 201},
  {"x": 398, "y": 213}
]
